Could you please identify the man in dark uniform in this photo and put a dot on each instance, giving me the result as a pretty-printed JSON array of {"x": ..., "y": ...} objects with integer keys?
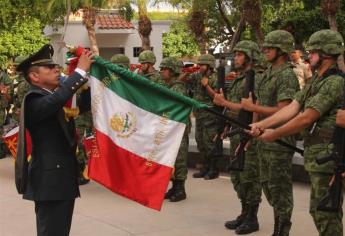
[{"x": 51, "y": 177}]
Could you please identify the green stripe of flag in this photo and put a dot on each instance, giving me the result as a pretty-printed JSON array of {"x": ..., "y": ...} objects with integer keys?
[{"x": 142, "y": 92}]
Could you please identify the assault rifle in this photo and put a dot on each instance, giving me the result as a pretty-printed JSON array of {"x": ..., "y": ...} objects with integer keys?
[
  {"x": 237, "y": 162},
  {"x": 243, "y": 126}
]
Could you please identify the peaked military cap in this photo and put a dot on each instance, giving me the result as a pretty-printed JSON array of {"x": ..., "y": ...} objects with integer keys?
[{"x": 41, "y": 58}]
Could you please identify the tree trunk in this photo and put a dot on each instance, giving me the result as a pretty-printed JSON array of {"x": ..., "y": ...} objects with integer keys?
[
  {"x": 202, "y": 44},
  {"x": 237, "y": 36},
  {"x": 145, "y": 43},
  {"x": 145, "y": 28},
  {"x": 92, "y": 37},
  {"x": 259, "y": 36},
  {"x": 332, "y": 22},
  {"x": 225, "y": 18},
  {"x": 144, "y": 25},
  {"x": 89, "y": 20},
  {"x": 329, "y": 9}
]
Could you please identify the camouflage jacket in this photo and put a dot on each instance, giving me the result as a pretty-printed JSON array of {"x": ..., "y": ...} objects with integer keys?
[
  {"x": 179, "y": 87},
  {"x": 200, "y": 93},
  {"x": 235, "y": 93},
  {"x": 154, "y": 76},
  {"x": 272, "y": 87},
  {"x": 5, "y": 80},
  {"x": 324, "y": 95}
]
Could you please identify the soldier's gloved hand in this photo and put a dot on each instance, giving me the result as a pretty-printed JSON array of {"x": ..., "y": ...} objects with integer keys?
[
  {"x": 85, "y": 60},
  {"x": 204, "y": 81}
]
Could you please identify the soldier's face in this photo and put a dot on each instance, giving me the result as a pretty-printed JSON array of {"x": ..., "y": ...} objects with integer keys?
[
  {"x": 295, "y": 55},
  {"x": 240, "y": 59},
  {"x": 46, "y": 76},
  {"x": 145, "y": 67},
  {"x": 314, "y": 58},
  {"x": 165, "y": 73},
  {"x": 270, "y": 54},
  {"x": 203, "y": 68}
]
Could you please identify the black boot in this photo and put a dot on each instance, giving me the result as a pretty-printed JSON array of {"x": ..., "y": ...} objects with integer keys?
[
  {"x": 250, "y": 223},
  {"x": 284, "y": 228},
  {"x": 213, "y": 172},
  {"x": 233, "y": 224},
  {"x": 170, "y": 191},
  {"x": 276, "y": 225},
  {"x": 179, "y": 193},
  {"x": 201, "y": 173}
]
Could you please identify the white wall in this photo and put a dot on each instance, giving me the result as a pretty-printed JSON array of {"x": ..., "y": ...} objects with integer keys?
[{"x": 76, "y": 35}]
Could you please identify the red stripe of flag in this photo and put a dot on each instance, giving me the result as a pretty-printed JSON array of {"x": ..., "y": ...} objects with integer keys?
[{"x": 128, "y": 174}]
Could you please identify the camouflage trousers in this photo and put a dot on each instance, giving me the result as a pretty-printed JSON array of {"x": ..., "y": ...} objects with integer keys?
[
  {"x": 3, "y": 148},
  {"x": 247, "y": 182},
  {"x": 276, "y": 180},
  {"x": 181, "y": 170},
  {"x": 327, "y": 223},
  {"x": 81, "y": 153},
  {"x": 204, "y": 135}
]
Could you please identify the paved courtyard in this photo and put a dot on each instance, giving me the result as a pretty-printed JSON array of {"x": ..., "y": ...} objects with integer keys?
[{"x": 100, "y": 212}]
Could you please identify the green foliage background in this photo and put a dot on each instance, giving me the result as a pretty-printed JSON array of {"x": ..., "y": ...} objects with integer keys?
[{"x": 179, "y": 42}]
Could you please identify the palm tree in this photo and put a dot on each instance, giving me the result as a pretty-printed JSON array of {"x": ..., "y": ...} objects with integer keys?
[
  {"x": 89, "y": 20},
  {"x": 145, "y": 26},
  {"x": 89, "y": 7},
  {"x": 329, "y": 9},
  {"x": 252, "y": 12},
  {"x": 241, "y": 26},
  {"x": 197, "y": 24}
]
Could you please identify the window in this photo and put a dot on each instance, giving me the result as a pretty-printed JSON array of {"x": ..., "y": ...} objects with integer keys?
[{"x": 137, "y": 51}]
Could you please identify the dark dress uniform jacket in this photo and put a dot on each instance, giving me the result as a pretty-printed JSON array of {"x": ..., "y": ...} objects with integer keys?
[{"x": 53, "y": 169}]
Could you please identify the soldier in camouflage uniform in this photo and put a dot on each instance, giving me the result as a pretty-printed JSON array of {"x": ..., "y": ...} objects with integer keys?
[
  {"x": 170, "y": 69},
  {"x": 83, "y": 123},
  {"x": 276, "y": 89},
  {"x": 121, "y": 60},
  {"x": 147, "y": 60},
  {"x": 313, "y": 112},
  {"x": 204, "y": 84},
  {"x": 247, "y": 182},
  {"x": 6, "y": 93},
  {"x": 22, "y": 88}
]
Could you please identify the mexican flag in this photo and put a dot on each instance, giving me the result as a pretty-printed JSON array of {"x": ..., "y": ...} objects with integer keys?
[{"x": 138, "y": 130}]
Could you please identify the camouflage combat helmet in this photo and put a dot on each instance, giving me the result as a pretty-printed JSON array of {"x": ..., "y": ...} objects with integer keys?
[
  {"x": 19, "y": 59},
  {"x": 207, "y": 59},
  {"x": 121, "y": 60},
  {"x": 171, "y": 63},
  {"x": 250, "y": 48},
  {"x": 329, "y": 41},
  {"x": 147, "y": 56},
  {"x": 280, "y": 39}
]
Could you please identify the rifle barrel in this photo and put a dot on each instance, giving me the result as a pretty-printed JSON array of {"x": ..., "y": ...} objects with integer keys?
[{"x": 247, "y": 127}]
